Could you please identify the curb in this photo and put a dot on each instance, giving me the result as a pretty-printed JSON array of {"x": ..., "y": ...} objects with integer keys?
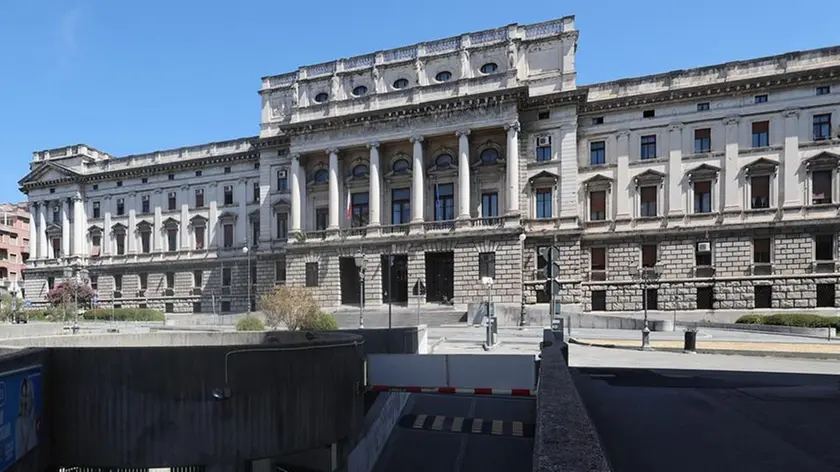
[{"x": 726, "y": 352}]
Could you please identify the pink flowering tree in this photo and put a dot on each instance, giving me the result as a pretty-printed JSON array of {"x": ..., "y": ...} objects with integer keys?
[{"x": 67, "y": 292}]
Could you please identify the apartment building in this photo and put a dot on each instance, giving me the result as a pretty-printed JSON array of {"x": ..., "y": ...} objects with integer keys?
[
  {"x": 14, "y": 245},
  {"x": 449, "y": 162}
]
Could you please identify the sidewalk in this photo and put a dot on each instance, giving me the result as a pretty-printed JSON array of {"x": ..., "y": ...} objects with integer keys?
[{"x": 774, "y": 349}]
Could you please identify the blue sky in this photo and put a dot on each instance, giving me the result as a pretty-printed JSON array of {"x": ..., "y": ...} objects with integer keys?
[{"x": 128, "y": 77}]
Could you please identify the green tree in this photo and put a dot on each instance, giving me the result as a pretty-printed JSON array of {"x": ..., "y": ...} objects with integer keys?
[{"x": 292, "y": 306}]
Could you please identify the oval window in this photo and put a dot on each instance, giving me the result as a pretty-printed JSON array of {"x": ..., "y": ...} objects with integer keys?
[
  {"x": 321, "y": 176},
  {"x": 400, "y": 166},
  {"x": 489, "y": 156},
  {"x": 400, "y": 83},
  {"x": 443, "y": 76},
  {"x": 360, "y": 90},
  {"x": 321, "y": 97},
  {"x": 489, "y": 68},
  {"x": 360, "y": 170},
  {"x": 444, "y": 161}
]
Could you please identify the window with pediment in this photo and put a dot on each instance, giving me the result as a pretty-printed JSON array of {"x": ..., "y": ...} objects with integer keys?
[
  {"x": 821, "y": 176},
  {"x": 702, "y": 182},
  {"x": 542, "y": 188},
  {"x": 649, "y": 193},
  {"x": 488, "y": 155},
  {"x": 145, "y": 230},
  {"x": 443, "y": 161},
  {"x": 760, "y": 175},
  {"x": 597, "y": 190},
  {"x": 170, "y": 226},
  {"x": 361, "y": 171},
  {"x": 119, "y": 232},
  {"x": 199, "y": 228},
  {"x": 400, "y": 166}
]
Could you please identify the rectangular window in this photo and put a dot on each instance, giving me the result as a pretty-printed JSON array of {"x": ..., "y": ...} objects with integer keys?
[
  {"x": 703, "y": 106},
  {"x": 543, "y": 148},
  {"x": 227, "y": 170},
  {"x": 227, "y": 275},
  {"x": 282, "y": 181},
  {"x": 821, "y": 187},
  {"x": 145, "y": 204},
  {"x": 359, "y": 209},
  {"x": 227, "y": 235},
  {"x": 598, "y": 259},
  {"x": 652, "y": 298},
  {"x": 199, "y": 237},
  {"x": 311, "y": 274},
  {"x": 282, "y": 225},
  {"x": 760, "y": 192},
  {"x": 597, "y": 153},
  {"x": 96, "y": 213},
  {"x": 322, "y": 217},
  {"x": 543, "y": 115},
  {"x": 228, "y": 195},
  {"x": 763, "y": 296},
  {"x": 703, "y": 196},
  {"x": 255, "y": 232},
  {"x": 144, "y": 281},
  {"x": 94, "y": 282},
  {"x": 171, "y": 176},
  {"x": 120, "y": 206},
  {"x": 56, "y": 215},
  {"x": 822, "y": 127},
  {"x": 598, "y": 120},
  {"x": 760, "y": 134},
  {"x": 280, "y": 270},
  {"x": 702, "y": 140},
  {"x": 489, "y": 205},
  {"x": 145, "y": 241},
  {"x": 256, "y": 192},
  {"x": 761, "y": 98},
  {"x": 648, "y": 113},
  {"x": 649, "y": 255},
  {"x": 173, "y": 201},
  {"x": 400, "y": 206},
  {"x": 824, "y": 250},
  {"x": 199, "y": 198},
  {"x": 826, "y": 295},
  {"x": 118, "y": 282},
  {"x": 56, "y": 247},
  {"x": 144, "y": 180},
  {"x": 196, "y": 307},
  {"x": 703, "y": 254},
  {"x": 761, "y": 251},
  {"x": 50, "y": 282},
  {"x": 172, "y": 239},
  {"x": 647, "y": 199},
  {"x": 120, "y": 240},
  {"x": 648, "y": 149},
  {"x": 225, "y": 306},
  {"x": 119, "y": 183},
  {"x": 599, "y": 300},
  {"x": 253, "y": 275},
  {"x": 544, "y": 203},
  {"x": 170, "y": 280},
  {"x": 487, "y": 264},
  {"x": 824, "y": 90},
  {"x": 198, "y": 173},
  {"x": 444, "y": 202},
  {"x": 598, "y": 205}
]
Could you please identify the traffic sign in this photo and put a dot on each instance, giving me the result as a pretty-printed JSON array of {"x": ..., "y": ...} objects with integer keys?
[{"x": 27, "y": 304}]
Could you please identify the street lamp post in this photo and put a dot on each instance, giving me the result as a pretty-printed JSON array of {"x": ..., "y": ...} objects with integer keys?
[
  {"x": 645, "y": 275},
  {"x": 361, "y": 263},
  {"x": 390, "y": 281},
  {"x": 522, "y": 280},
  {"x": 247, "y": 253}
]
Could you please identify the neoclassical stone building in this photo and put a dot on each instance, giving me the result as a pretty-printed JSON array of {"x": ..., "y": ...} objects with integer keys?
[{"x": 453, "y": 160}]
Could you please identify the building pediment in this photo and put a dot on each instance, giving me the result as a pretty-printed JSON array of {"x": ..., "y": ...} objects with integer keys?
[
  {"x": 543, "y": 176},
  {"x": 598, "y": 179},
  {"x": 95, "y": 229},
  {"x": 703, "y": 171},
  {"x": 649, "y": 176},
  {"x": 144, "y": 224},
  {"x": 761, "y": 165},
  {"x": 198, "y": 220},
  {"x": 822, "y": 160},
  {"x": 228, "y": 216},
  {"x": 118, "y": 228},
  {"x": 282, "y": 202},
  {"x": 53, "y": 228},
  {"x": 170, "y": 223},
  {"x": 48, "y": 172}
]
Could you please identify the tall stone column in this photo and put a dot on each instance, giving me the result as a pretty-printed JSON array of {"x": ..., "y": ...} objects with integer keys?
[
  {"x": 107, "y": 233},
  {"x": 185, "y": 218},
  {"x": 79, "y": 223},
  {"x": 157, "y": 231},
  {"x": 374, "y": 220},
  {"x": 675, "y": 200},
  {"x": 334, "y": 197},
  {"x": 730, "y": 167},
  {"x": 65, "y": 227},
  {"x": 512, "y": 176},
  {"x": 242, "y": 236},
  {"x": 33, "y": 231},
  {"x": 417, "y": 180},
  {"x": 43, "y": 247},
  {"x": 463, "y": 174},
  {"x": 622, "y": 200},
  {"x": 791, "y": 161},
  {"x": 131, "y": 231},
  {"x": 213, "y": 216},
  {"x": 295, "y": 195}
]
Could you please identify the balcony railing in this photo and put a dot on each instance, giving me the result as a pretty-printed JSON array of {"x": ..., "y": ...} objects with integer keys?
[
  {"x": 396, "y": 229},
  {"x": 487, "y": 222},
  {"x": 316, "y": 235},
  {"x": 439, "y": 226},
  {"x": 357, "y": 231}
]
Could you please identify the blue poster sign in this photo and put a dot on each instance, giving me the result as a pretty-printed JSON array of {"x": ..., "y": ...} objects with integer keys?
[{"x": 21, "y": 406}]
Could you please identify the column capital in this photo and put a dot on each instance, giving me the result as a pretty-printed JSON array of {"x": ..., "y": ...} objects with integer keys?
[
  {"x": 462, "y": 132},
  {"x": 295, "y": 156},
  {"x": 213, "y": 184},
  {"x": 624, "y": 133},
  {"x": 242, "y": 181},
  {"x": 132, "y": 194},
  {"x": 185, "y": 187},
  {"x": 108, "y": 197},
  {"x": 512, "y": 126},
  {"x": 332, "y": 151},
  {"x": 373, "y": 145},
  {"x": 417, "y": 138},
  {"x": 791, "y": 113},
  {"x": 675, "y": 126},
  {"x": 158, "y": 190},
  {"x": 731, "y": 120}
]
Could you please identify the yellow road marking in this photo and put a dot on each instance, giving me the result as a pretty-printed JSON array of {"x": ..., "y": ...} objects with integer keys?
[
  {"x": 418, "y": 422},
  {"x": 457, "y": 424},
  {"x": 497, "y": 427},
  {"x": 517, "y": 428},
  {"x": 476, "y": 426},
  {"x": 437, "y": 425}
]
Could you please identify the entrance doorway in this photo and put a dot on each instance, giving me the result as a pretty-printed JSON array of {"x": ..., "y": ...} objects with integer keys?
[
  {"x": 351, "y": 289},
  {"x": 440, "y": 278},
  {"x": 398, "y": 277}
]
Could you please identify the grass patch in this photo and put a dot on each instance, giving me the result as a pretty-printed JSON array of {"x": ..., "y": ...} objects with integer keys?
[{"x": 798, "y": 320}]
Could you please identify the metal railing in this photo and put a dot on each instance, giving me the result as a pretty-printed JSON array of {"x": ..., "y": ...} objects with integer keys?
[
  {"x": 485, "y": 222},
  {"x": 447, "y": 225},
  {"x": 396, "y": 229}
]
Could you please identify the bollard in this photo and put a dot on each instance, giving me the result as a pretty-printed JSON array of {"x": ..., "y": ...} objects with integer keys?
[{"x": 690, "y": 345}]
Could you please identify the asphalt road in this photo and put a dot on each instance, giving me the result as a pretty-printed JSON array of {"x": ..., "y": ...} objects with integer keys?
[
  {"x": 428, "y": 443},
  {"x": 693, "y": 420}
]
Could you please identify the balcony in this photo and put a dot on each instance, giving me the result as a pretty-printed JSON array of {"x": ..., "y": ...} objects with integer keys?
[
  {"x": 487, "y": 222},
  {"x": 704, "y": 271},
  {"x": 438, "y": 226},
  {"x": 396, "y": 229}
]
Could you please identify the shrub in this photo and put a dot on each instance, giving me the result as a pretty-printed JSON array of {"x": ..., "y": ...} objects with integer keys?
[
  {"x": 250, "y": 323},
  {"x": 70, "y": 292},
  {"x": 320, "y": 321},
  {"x": 803, "y": 320},
  {"x": 750, "y": 319},
  {"x": 291, "y": 306},
  {"x": 124, "y": 314}
]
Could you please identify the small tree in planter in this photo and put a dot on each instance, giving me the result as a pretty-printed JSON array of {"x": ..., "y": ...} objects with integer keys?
[{"x": 292, "y": 306}]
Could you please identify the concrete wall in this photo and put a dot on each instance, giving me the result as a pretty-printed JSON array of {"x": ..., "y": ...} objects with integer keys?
[{"x": 403, "y": 340}]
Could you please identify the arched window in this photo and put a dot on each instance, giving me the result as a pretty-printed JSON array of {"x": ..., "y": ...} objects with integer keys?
[
  {"x": 489, "y": 156},
  {"x": 400, "y": 166},
  {"x": 360, "y": 171},
  {"x": 443, "y": 161},
  {"x": 321, "y": 176},
  {"x": 360, "y": 90},
  {"x": 400, "y": 84},
  {"x": 322, "y": 97},
  {"x": 443, "y": 76},
  {"x": 489, "y": 68}
]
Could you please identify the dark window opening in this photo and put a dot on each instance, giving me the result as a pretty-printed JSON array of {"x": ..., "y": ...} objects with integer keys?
[
  {"x": 702, "y": 140},
  {"x": 400, "y": 206},
  {"x": 651, "y": 298},
  {"x": 760, "y": 192},
  {"x": 760, "y": 134},
  {"x": 649, "y": 255},
  {"x": 487, "y": 264},
  {"x": 703, "y": 197},
  {"x": 761, "y": 251},
  {"x": 647, "y": 198},
  {"x": 648, "y": 150},
  {"x": 648, "y": 113},
  {"x": 544, "y": 197},
  {"x": 824, "y": 247},
  {"x": 826, "y": 295},
  {"x": 763, "y": 296},
  {"x": 821, "y": 187},
  {"x": 444, "y": 202},
  {"x": 311, "y": 274},
  {"x": 822, "y": 127},
  {"x": 597, "y": 153},
  {"x": 359, "y": 206},
  {"x": 705, "y": 298},
  {"x": 599, "y": 300}
]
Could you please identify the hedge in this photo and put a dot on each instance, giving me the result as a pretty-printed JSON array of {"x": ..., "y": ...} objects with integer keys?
[
  {"x": 323, "y": 321},
  {"x": 124, "y": 314},
  {"x": 250, "y": 323},
  {"x": 791, "y": 319}
]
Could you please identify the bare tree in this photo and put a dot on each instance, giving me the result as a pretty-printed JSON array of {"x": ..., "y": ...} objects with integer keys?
[{"x": 293, "y": 306}]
